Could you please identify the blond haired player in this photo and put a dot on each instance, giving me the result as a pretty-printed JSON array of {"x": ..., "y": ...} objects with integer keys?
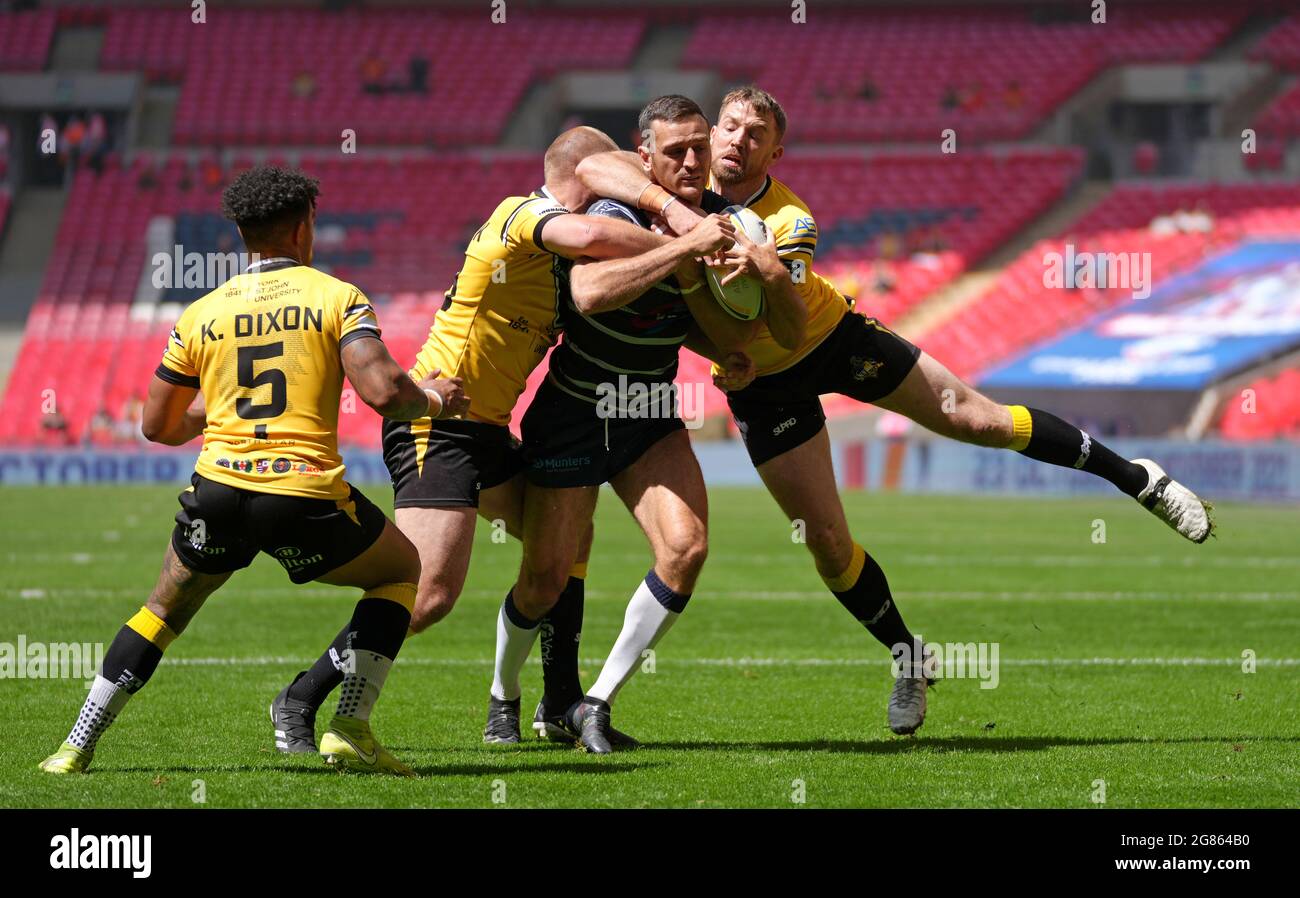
[
  {"x": 269, "y": 349},
  {"x": 840, "y": 351}
]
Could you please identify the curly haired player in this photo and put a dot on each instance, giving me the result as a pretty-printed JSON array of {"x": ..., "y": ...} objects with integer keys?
[{"x": 269, "y": 349}]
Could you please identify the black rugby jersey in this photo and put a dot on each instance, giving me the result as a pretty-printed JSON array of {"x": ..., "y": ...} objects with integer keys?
[{"x": 636, "y": 343}]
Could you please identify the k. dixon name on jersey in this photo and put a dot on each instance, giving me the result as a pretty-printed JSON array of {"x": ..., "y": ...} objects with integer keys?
[{"x": 261, "y": 324}]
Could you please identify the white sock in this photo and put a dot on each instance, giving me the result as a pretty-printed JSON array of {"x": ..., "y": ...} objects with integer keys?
[
  {"x": 513, "y": 645},
  {"x": 103, "y": 704},
  {"x": 647, "y": 619},
  {"x": 364, "y": 673}
]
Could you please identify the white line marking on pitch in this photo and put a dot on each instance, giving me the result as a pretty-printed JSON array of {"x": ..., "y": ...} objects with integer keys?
[
  {"x": 974, "y": 595},
  {"x": 273, "y": 660}
]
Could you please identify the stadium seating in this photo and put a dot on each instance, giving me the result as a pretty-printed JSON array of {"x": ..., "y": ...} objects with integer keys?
[
  {"x": 25, "y": 40},
  {"x": 894, "y": 225},
  {"x": 1020, "y": 309},
  {"x": 1282, "y": 117},
  {"x": 909, "y": 62},
  {"x": 477, "y": 71},
  {"x": 1272, "y": 412},
  {"x": 968, "y": 202},
  {"x": 1281, "y": 46},
  {"x": 397, "y": 228}
]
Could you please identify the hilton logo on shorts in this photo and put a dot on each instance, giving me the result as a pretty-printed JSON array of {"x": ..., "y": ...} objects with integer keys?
[
  {"x": 864, "y": 368},
  {"x": 290, "y": 558}
]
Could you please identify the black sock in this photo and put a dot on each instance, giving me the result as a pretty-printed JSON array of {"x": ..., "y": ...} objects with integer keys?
[
  {"x": 1057, "y": 442},
  {"x": 379, "y": 625},
  {"x": 560, "y": 635},
  {"x": 315, "y": 684},
  {"x": 868, "y": 599},
  {"x": 130, "y": 660}
]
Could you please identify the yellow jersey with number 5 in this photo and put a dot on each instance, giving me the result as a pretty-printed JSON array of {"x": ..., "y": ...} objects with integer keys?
[
  {"x": 264, "y": 350},
  {"x": 795, "y": 231}
]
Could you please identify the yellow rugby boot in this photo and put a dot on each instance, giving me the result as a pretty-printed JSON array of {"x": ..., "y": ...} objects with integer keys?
[
  {"x": 349, "y": 745},
  {"x": 68, "y": 759}
]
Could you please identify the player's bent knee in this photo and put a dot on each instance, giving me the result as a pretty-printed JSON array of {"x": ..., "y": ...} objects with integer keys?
[
  {"x": 687, "y": 552},
  {"x": 981, "y": 422},
  {"x": 984, "y": 430},
  {"x": 538, "y": 589},
  {"x": 830, "y": 545},
  {"x": 433, "y": 602}
]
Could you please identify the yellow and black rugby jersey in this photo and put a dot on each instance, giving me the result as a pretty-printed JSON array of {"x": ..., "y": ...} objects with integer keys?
[
  {"x": 264, "y": 350},
  {"x": 795, "y": 231},
  {"x": 502, "y": 311}
]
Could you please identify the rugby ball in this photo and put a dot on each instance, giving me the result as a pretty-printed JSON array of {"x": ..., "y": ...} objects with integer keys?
[{"x": 743, "y": 298}]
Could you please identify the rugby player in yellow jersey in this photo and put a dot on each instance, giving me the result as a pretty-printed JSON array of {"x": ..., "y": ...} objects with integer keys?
[
  {"x": 497, "y": 323},
  {"x": 268, "y": 351},
  {"x": 840, "y": 351}
]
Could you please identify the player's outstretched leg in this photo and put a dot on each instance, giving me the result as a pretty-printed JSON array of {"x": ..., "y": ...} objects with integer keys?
[
  {"x": 387, "y": 572},
  {"x": 664, "y": 490},
  {"x": 937, "y": 399},
  {"x": 443, "y": 538},
  {"x": 132, "y": 658},
  {"x": 802, "y": 480},
  {"x": 556, "y": 522}
]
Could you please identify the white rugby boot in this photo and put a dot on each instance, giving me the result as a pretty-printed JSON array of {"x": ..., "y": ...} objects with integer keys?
[{"x": 1174, "y": 503}]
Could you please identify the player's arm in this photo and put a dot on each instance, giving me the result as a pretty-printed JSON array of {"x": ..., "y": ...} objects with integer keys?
[
  {"x": 596, "y": 237},
  {"x": 737, "y": 368},
  {"x": 383, "y": 385},
  {"x": 619, "y": 175},
  {"x": 726, "y": 332},
  {"x": 611, "y": 284},
  {"x": 174, "y": 413},
  {"x": 786, "y": 314}
]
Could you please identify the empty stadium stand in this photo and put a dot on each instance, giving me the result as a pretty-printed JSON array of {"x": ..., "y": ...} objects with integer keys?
[
  {"x": 397, "y": 228},
  {"x": 895, "y": 223},
  {"x": 1272, "y": 411},
  {"x": 1020, "y": 309},
  {"x": 243, "y": 84},
  {"x": 1281, "y": 46},
  {"x": 25, "y": 40},
  {"x": 1282, "y": 117},
  {"x": 910, "y": 74}
]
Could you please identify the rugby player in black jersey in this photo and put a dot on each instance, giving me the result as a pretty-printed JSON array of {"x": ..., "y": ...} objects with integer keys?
[{"x": 607, "y": 413}]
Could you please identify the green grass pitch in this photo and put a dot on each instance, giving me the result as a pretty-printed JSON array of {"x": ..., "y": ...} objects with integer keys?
[{"x": 1119, "y": 661}]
